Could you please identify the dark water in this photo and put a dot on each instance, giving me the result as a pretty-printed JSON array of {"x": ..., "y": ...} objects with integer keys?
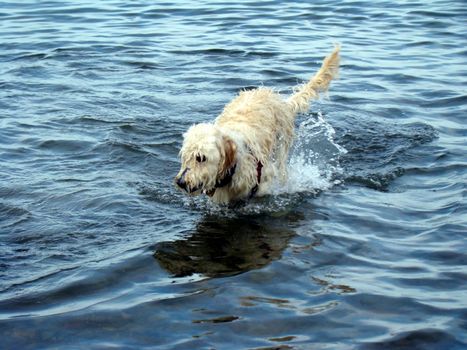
[{"x": 365, "y": 248}]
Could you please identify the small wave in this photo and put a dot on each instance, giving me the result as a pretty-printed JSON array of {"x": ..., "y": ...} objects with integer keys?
[
  {"x": 66, "y": 146},
  {"x": 12, "y": 215},
  {"x": 456, "y": 101},
  {"x": 377, "y": 181},
  {"x": 161, "y": 193},
  {"x": 32, "y": 56},
  {"x": 225, "y": 52},
  {"x": 378, "y": 152},
  {"x": 427, "y": 338}
]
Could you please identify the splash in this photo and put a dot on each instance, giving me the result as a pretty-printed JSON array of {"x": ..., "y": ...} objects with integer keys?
[{"x": 314, "y": 161}]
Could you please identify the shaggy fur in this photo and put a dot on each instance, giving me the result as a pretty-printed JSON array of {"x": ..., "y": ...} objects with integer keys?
[{"x": 245, "y": 150}]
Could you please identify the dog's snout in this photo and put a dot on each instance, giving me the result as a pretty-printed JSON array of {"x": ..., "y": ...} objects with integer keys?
[{"x": 180, "y": 181}]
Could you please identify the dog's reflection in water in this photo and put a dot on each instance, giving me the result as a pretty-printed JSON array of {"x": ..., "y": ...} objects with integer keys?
[{"x": 222, "y": 247}]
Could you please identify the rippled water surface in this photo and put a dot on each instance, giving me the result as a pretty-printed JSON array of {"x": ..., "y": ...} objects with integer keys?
[{"x": 365, "y": 246}]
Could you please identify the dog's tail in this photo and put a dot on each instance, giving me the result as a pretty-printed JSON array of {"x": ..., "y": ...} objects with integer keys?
[{"x": 300, "y": 100}]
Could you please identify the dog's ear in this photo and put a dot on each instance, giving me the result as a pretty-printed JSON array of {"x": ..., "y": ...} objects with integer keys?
[{"x": 230, "y": 154}]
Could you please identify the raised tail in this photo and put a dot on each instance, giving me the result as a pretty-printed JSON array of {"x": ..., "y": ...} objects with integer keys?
[{"x": 300, "y": 100}]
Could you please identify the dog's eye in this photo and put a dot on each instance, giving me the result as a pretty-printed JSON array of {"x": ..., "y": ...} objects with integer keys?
[{"x": 200, "y": 158}]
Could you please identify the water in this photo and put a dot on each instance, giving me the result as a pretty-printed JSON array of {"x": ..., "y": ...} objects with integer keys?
[{"x": 364, "y": 248}]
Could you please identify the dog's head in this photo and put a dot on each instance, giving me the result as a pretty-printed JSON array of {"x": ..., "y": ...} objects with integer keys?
[{"x": 206, "y": 156}]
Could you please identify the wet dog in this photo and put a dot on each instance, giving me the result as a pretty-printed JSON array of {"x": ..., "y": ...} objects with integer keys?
[{"x": 244, "y": 151}]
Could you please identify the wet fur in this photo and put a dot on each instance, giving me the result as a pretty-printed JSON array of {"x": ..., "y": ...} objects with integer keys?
[{"x": 257, "y": 126}]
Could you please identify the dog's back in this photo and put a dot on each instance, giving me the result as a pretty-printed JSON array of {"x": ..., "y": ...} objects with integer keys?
[{"x": 262, "y": 117}]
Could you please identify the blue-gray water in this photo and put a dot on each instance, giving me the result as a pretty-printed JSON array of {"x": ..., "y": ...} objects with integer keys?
[{"x": 365, "y": 248}]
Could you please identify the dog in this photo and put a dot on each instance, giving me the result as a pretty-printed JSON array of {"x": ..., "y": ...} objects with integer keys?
[{"x": 244, "y": 151}]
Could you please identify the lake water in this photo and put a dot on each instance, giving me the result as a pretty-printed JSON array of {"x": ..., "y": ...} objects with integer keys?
[{"x": 364, "y": 248}]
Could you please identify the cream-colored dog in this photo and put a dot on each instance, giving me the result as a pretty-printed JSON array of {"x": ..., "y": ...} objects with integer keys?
[{"x": 245, "y": 150}]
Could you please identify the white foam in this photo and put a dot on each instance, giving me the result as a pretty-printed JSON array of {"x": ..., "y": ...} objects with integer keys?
[{"x": 314, "y": 159}]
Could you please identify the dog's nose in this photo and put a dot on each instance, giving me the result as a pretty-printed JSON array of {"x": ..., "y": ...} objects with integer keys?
[{"x": 180, "y": 181}]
